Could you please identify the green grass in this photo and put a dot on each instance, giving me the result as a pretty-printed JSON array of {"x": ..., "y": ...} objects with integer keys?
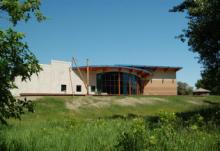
[
  {"x": 54, "y": 127},
  {"x": 172, "y": 104}
]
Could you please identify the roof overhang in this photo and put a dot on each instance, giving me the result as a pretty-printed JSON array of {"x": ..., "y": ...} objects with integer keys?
[
  {"x": 154, "y": 68},
  {"x": 142, "y": 73}
]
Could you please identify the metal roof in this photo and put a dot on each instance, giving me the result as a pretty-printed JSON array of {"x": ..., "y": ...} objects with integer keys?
[
  {"x": 116, "y": 66},
  {"x": 143, "y": 68},
  {"x": 152, "y": 67}
]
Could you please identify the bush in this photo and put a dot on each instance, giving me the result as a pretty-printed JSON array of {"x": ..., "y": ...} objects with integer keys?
[{"x": 134, "y": 137}]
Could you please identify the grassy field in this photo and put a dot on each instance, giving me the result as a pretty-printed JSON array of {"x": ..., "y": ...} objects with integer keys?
[{"x": 116, "y": 123}]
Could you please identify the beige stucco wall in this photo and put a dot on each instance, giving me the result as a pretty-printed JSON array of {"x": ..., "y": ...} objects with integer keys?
[
  {"x": 50, "y": 79},
  {"x": 92, "y": 80},
  {"x": 161, "y": 83}
]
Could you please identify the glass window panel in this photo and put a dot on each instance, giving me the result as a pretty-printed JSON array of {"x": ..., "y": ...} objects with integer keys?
[{"x": 108, "y": 82}]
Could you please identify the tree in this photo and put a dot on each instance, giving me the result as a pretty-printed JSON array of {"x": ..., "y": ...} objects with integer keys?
[
  {"x": 210, "y": 80},
  {"x": 199, "y": 84},
  {"x": 15, "y": 57},
  {"x": 203, "y": 35},
  {"x": 184, "y": 89}
]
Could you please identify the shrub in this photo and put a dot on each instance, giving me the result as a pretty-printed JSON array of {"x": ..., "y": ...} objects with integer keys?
[{"x": 134, "y": 137}]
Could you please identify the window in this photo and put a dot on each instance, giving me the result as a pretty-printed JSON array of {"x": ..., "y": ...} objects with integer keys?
[
  {"x": 78, "y": 88},
  {"x": 92, "y": 88},
  {"x": 108, "y": 82},
  {"x": 63, "y": 88}
]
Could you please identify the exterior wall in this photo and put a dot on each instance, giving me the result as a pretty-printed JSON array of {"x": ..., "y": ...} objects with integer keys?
[
  {"x": 92, "y": 77},
  {"x": 92, "y": 81},
  {"x": 49, "y": 81},
  {"x": 161, "y": 83}
]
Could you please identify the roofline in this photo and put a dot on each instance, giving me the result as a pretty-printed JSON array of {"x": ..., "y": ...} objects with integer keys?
[
  {"x": 114, "y": 66},
  {"x": 134, "y": 67},
  {"x": 148, "y": 66}
]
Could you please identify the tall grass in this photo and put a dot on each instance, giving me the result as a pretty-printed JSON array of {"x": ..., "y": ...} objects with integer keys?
[{"x": 54, "y": 128}]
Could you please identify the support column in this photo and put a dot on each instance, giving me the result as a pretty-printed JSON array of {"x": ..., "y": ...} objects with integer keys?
[
  {"x": 129, "y": 83},
  {"x": 87, "y": 80},
  {"x": 119, "y": 83},
  {"x": 137, "y": 88}
]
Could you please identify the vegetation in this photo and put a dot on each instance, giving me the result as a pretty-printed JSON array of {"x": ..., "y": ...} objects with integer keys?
[
  {"x": 184, "y": 89},
  {"x": 204, "y": 38},
  {"x": 179, "y": 123},
  {"x": 15, "y": 57}
]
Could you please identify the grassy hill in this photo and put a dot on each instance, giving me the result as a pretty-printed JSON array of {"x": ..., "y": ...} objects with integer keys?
[{"x": 116, "y": 123}]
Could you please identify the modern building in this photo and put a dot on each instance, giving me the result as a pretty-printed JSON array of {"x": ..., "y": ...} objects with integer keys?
[{"x": 60, "y": 78}]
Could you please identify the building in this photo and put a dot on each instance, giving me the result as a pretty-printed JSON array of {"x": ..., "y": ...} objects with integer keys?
[
  {"x": 59, "y": 78},
  {"x": 201, "y": 92}
]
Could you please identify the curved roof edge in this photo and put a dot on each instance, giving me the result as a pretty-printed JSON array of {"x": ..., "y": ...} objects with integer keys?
[
  {"x": 116, "y": 67},
  {"x": 152, "y": 67}
]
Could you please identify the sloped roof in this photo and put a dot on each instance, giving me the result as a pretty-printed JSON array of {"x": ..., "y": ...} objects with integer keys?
[
  {"x": 140, "y": 71},
  {"x": 152, "y": 67},
  {"x": 143, "y": 68},
  {"x": 97, "y": 67},
  {"x": 201, "y": 90}
]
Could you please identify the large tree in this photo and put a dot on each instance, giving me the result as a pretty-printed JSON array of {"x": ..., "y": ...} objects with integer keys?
[
  {"x": 184, "y": 89},
  {"x": 203, "y": 35},
  {"x": 15, "y": 57}
]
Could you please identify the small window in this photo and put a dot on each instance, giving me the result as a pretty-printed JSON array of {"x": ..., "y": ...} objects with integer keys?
[
  {"x": 92, "y": 88},
  {"x": 78, "y": 88},
  {"x": 63, "y": 88}
]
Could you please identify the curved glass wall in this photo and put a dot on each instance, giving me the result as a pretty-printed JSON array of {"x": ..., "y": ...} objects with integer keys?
[{"x": 111, "y": 82}]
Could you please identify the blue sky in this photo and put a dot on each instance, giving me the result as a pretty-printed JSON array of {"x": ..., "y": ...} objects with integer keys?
[{"x": 112, "y": 32}]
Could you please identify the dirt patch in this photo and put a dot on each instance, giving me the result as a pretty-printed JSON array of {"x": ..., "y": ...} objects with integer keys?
[
  {"x": 79, "y": 102},
  {"x": 158, "y": 99},
  {"x": 102, "y": 98},
  {"x": 100, "y": 102},
  {"x": 132, "y": 101},
  {"x": 194, "y": 102}
]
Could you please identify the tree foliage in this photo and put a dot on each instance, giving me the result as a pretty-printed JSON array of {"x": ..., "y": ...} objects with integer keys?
[
  {"x": 184, "y": 89},
  {"x": 203, "y": 35},
  {"x": 210, "y": 80},
  {"x": 20, "y": 10},
  {"x": 15, "y": 57}
]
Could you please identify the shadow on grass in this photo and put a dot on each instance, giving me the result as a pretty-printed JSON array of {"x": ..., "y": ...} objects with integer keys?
[
  {"x": 209, "y": 114},
  {"x": 119, "y": 116},
  {"x": 212, "y": 103}
]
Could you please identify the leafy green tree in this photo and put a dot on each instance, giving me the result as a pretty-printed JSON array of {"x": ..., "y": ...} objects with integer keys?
[
  {"x": 210, "y": 80},
  {"x": 199, "y": 84},
  {"x": 15, "y": 57},
  {"x": 203, "y": 35},
  {"x": 184, "y": 89}
]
